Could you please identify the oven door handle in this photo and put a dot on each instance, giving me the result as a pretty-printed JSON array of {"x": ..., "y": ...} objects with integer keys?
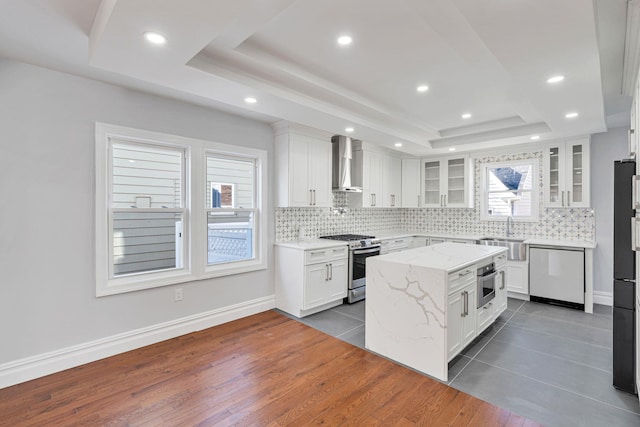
[
  {"x": 488, "y": 276},
  {"x": 366, "y": 251}
]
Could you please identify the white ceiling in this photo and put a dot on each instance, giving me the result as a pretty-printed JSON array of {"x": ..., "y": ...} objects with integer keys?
[{"x": 489, "y": 58}]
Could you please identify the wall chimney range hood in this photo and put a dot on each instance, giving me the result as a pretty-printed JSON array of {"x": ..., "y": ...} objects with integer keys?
[{"x": 342, "y": 165}]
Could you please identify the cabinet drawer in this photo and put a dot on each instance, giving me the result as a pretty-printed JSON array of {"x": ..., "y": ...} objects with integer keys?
[
  {"x": 462, "y": 278},
  {"x": 485, "y": 316},
  {"x": 325, "y": 254},
  {"x": 500, "y": 260}
]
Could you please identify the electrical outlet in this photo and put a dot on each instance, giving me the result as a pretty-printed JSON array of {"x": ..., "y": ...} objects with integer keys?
[{"x": 177, "y": 294}]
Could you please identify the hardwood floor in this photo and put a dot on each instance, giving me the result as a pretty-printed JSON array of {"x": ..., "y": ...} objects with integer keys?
[{"x": 263, "y": 370}]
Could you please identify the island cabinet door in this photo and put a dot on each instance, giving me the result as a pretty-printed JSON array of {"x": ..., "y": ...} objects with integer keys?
[
  {"x": 455, "y": 313},
  {"x": 469, "y": 321}
]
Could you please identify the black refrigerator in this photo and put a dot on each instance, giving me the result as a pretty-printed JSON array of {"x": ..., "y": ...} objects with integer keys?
[{"x": 624, "y": 273}]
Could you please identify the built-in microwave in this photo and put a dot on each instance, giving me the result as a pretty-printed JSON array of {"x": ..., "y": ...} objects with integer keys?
[{"x": 486, "y": 283}]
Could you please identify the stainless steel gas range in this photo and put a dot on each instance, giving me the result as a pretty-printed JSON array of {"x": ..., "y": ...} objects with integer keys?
[{"x": 360, "y": 248}]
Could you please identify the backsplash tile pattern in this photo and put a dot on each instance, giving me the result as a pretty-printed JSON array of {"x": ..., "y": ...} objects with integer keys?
[{"x": 554, "y": 223}]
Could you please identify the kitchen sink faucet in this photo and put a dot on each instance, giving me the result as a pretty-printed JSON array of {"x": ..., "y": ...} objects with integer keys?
[{"x": 509, "y": 226}]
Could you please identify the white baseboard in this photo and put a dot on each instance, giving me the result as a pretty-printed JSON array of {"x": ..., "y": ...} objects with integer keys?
[
  {"x": 29, "y": 368},
  {"x": 604, "y": 298}
]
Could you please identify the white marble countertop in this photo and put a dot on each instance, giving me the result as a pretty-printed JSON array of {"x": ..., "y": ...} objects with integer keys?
[
  {"x": 397, "y": 234},
  {"x": 446, "y": 256},
  {"x": 314, "y": 243},
  {"x": 564, "y": 243},
  {"x": 309, "y": 244}
]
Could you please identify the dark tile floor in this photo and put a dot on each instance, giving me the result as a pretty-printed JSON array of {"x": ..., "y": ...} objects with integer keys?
[{"x": 549, "y": 364}]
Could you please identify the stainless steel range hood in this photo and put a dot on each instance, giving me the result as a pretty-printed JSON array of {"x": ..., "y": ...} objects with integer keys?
[{"x": 342, "y": 165}]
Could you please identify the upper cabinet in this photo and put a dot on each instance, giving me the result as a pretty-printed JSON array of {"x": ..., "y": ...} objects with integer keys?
[
  {"x": 410, "y": 183},
  {"x": 368, "y": 164},
  {"x": 302, "y": 165},
  {"x": 447, "y": 182},
  {"x": 392, "y": 182},
  {"x": 379, "y": 175},
  {"x": 567, "y": 173}
]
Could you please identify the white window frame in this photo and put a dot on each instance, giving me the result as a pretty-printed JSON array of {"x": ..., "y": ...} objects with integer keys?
[
  {"x": 535, "y": 190},
  {"x": 195, "y": 265},
  {"x": 259, "y": 219}
]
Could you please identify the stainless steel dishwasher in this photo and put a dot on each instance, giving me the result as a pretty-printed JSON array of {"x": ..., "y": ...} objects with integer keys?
[{"x": 556, "y": 275}]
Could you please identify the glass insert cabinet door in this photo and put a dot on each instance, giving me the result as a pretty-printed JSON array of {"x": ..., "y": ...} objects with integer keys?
[
  {"x": 554, "y": 176},
  {"x": 575, "y": 192},
  {"x": 455, "y": 181},
  {"x": 432, "y": 183},
  {"x": 567, "y": 175}
]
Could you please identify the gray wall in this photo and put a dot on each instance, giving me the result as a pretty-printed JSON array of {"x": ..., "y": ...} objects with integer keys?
[
  {"x": 605, "y": 148},
  {"x": 47, "y": 299}
]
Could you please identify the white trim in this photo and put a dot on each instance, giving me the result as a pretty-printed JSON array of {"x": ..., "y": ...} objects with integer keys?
[
  {"x": 29, "y": 368},
  {"x": 604, "y": 298}
]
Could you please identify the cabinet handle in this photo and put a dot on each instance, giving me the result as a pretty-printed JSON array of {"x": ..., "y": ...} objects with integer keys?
[
  {"x": 502, "y": 273},
  {"x": 464, "y": 273},
  {"x": 462, "y": 298},
  {"x": 562, "y": 192},
  {"x": 326, "y": 272},
  {"x": 441, "y": 200},
  {"x": 314, "y": 197},
  {"x": 310, "y": 197},
  {"x": 568, "y": 198},
  {"x": 466, "y": 303},
  {"x": 393, "y": 200},
  {"x": 445, "y": 203},
  {"x": 330, "y": 271},
  {"x": 375, "y": 199},
  {"x": 317, "y": 252}
]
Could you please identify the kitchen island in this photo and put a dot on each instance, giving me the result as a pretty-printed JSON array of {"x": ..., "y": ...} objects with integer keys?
[{"x": 422, "y": 304}]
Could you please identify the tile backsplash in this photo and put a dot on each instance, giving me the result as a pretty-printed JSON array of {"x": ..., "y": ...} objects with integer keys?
[{"x": 553, "y": 223}]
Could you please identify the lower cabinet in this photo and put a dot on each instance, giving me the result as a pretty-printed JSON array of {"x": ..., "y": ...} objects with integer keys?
[
  {"x": 517, "y": 276},
  {"x": 308, "y": 281},
  {"x": 461, "y": 311},
  {"x": 324, "y": 282}
]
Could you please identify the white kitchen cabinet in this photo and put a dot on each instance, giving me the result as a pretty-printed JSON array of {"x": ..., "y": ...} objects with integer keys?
[
  {"x": 367, "y": 169},
  {"x": 436, "y": 240},
  {"x": 410, "y": 183},
  {"x": 419, "y": 241},
  {"x": 447, "y": 182},
  {"x": 632, "y": 129},
  {"x": 461, "y": 310},
  {"x": 303, "y": 166},
  {"x": 517, "y": 276},
  {"x": 501, "y": 285},
  {"x": 391, "y": 182},
  {"x": 394, "y": 245},
  {"x": 308, "y": 281},
  {"x": 567, "y": 173}
]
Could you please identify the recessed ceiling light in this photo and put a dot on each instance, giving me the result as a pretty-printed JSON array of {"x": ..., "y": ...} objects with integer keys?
[
  {"x": 555, "y": 79},
  {"x": 571, "y": 115},
  {"x": 534, "y": 137},
  {"x": 349, "y": 130},
  {"x": 422, "y": 88},
  {"x": 250, "y": 100},
  {"x": 344, "y": 40},
  {"x": 466, "y": 116},
  {"x": 398, "y": 144},
  {"x": 452, "y": 148},
  {"x": 155, "y": 38}
]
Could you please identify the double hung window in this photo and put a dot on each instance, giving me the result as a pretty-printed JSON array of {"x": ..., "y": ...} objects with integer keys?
[
  {"x": 171, "y": 209},
  {"x": 509, "y": 189}
]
